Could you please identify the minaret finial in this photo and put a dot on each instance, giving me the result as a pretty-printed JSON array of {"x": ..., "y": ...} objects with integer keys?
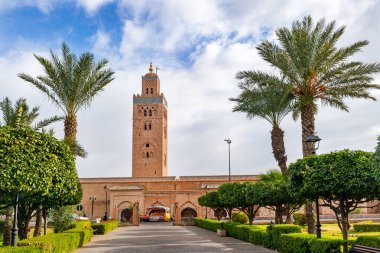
[{"x": 150, "y": 68}]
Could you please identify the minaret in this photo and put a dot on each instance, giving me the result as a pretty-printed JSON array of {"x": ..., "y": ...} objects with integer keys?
[{"x": 150, "y": 127}]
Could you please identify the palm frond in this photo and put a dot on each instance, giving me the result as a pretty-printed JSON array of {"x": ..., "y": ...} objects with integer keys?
[{"x": 44, "y": 123}]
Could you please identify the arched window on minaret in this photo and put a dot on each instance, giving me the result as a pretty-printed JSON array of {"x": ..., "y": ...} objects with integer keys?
[
  {"x": 150, "y": 126},
  {"x": 147, "y": 154},
  {"x": 150, "y": 112},
  {"x": 145, "y": 126},
  {"x": 151, "y": 90},
  {"x": 147, "y": 90},
  {"x": 145, "y": 113}
]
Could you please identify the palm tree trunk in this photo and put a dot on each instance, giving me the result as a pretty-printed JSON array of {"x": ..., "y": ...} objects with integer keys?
[
  {"x": 308, "y": 127},
  {"x": 7, "y": 227},
  {"x": 38, "y": 226},
  {"x": 278, "y": 147},
  {"x": 71, "y": 127}
]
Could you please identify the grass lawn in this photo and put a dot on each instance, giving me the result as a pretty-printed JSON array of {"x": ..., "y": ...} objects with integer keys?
[{"x": 334, "y": 230}]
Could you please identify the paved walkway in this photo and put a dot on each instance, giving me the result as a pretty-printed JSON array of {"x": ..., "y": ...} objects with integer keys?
[{"x": 163, "y": 237}]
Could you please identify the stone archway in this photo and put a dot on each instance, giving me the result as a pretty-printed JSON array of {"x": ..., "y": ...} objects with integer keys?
[
  {"x": 125, "y": 212},
  {"x": 188, "y": 212}
]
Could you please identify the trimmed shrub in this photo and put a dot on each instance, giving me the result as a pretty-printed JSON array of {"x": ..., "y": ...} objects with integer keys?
[
  {"x": 230, "y": 228},
  {"x": 240, "y": 218},
  {"x": 259, "y": 237},
  {"x": 66, "y": 241},
  {"x": 2, "y": 224},
  {"x": 368, "y": 227},
  {"x": 325, "y": 245},
  {"x": 104, "y": 227},
  {"x": 29, "y": 249},
  {"x": 276, "y": 230},
  {"x": 209, "y": 224},
  {"x": 299, "y": 219},
  {"x": 369, "y": 241},
  {"x": 295, "y": 242},
  {"x": 242, "y": 232}
]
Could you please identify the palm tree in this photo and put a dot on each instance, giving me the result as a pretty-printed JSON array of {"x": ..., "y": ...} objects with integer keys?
[
  {"x": 71, "y": 83},
  {"x": 20, "y": 115},
  {"x": 308, "y": 57},
  {"x": 268, "y": 98}
]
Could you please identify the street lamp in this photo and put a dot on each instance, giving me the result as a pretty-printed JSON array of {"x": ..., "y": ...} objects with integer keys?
[
  {"x": 312, "y": 138},
  {"x": 92, "y": 198},
  {"x": 106, "y": 214},
  {"x": 14, "y": 228},
  {"x": 206, "y": 200},
  {"x": 229, "y": 159}
]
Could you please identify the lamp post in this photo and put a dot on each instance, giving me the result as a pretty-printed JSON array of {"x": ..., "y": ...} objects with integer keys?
[
  {"x": 206, "y": 200},
  {"x": 106, "y": 214},
  {"x": 229, "y": 159},
  {"x": 92, "y": 198},
  {"x": 14, "y": 228},
  {"x": 312, "y": 138}
]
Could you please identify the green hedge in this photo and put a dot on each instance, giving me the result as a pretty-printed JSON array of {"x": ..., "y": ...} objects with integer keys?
[
  {"x": 104, "y": 227},
  {"x": 259, "y": 236},
  {"x": 2, "y": 224},
  {"x": 28, "y": 249},
  {"x": 296, "y": 242},
  {"x": 66, "y": 241},
  {"x": 209, "y": 224},
  {"x": 306, "y": 243},
  {"x": 370, "y": 227},
  {"x": 369, "y": 241},
  {"x": 276, "y": 230},
  {"x": 230, "y": 227}
]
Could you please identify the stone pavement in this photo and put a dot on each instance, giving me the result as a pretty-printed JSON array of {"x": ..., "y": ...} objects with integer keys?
[{"x": 163, "y": 237}]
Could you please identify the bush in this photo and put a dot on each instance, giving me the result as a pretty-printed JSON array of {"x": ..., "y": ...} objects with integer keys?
[
  {"x": 62, "y": 218},
  {"x": 209, "y": 224},
  {"x": 369, "y": 241},
  {"x": 240, "y": 218},
  {"x": 230, "y": 228},
  {"x": 367, "y": 227},
  {"x": 299, "y": 219},
  {"x": 324, "y": 245},
  {"x": 62, "y": 242},
  {"x": 276, "y": 230},
  {"x": 29, "y": 249},
  {"x": 104, "y": 227},
  {"x": 295, "y": 242},
  {"x": 258, "y": 236}
]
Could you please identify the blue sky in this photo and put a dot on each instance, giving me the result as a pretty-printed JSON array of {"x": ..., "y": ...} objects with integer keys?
[{"x": 199, "y": 46}]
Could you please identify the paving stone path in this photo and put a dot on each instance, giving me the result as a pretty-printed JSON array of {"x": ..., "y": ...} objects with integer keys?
[{"x": 163, "y": 237}]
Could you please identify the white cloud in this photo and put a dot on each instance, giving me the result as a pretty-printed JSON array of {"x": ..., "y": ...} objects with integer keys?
[
  {"x": 44, "y": 5},
  {"x": 91, "y": 6}
]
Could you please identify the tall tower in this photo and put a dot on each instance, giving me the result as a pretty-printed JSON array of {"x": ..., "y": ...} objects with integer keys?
[{"x": 150, "y": 127}]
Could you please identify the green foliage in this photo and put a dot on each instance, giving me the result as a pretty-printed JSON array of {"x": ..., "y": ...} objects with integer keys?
[
  {"x": 62, "y": 218},
  {"x": 325, "y": 245},
  {"x": 27, "y": 249},
  {"x": 66, "y": 241},
  {"x": 369, "y": 241},
  {"x": 271, "y": 176},
  {"x": 259, "y": 237},
  {"x": 296, "y": 242},
  {"x": 104, "y": 227},
  {"x": 46, "y": 165},
  {"x": 276, "y": 230},
  {"x": 377, "y": 154},
  {"x": 2, "y": 224},
  {"x": 308, "y": 57},
  {"x": 209, "y": 224},
  {"x": 240, "y": 217},
  {"x": 370, "y": 227},
  {"x": 299, "y": 219}
]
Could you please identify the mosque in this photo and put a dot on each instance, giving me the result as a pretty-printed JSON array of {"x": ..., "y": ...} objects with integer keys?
[{"x": 123, "y": 197}]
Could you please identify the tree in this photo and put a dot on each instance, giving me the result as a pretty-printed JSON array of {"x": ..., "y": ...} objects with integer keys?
[
  {"x": 241, "y": 196},
  {"x": 274, "y": 194},
  {"x": 268, "y": 98},
  {"x": 308, "y": 58},
  {"x": 342, "y": 179},
  {"x": 20, "y": 115},
  {"x": 71, "y": 83},
  {"x": 37, "y": 167},
  {"x": 211, "y": 199},
  {"x": 377, "y": 154}
]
